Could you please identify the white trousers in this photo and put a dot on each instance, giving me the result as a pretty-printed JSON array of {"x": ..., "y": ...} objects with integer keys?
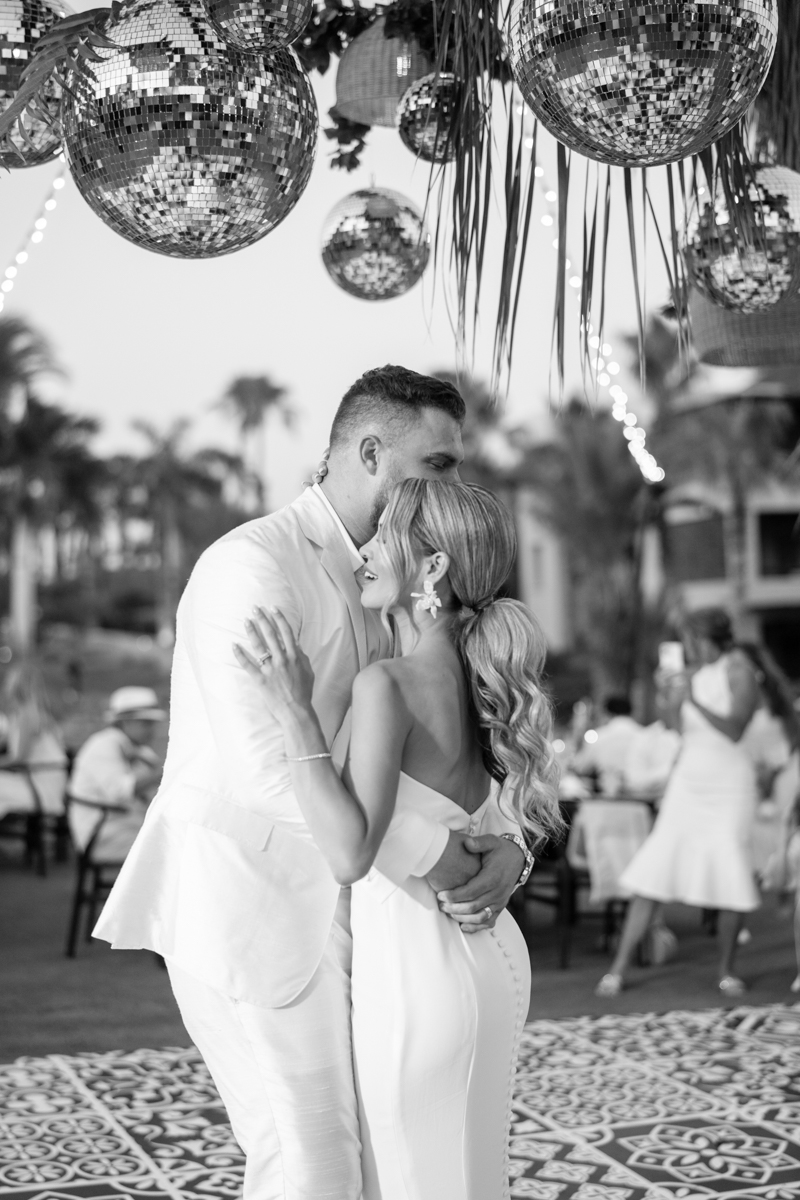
[{"x": 285, "y": 1076}]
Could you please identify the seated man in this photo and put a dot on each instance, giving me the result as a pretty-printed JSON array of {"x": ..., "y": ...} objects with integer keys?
[
  {"x": 116, "y": 768},
  {"x": 605, "y": 756}
]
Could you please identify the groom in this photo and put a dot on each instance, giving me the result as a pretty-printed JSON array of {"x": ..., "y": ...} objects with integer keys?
[{"x": 224, "y": 880}]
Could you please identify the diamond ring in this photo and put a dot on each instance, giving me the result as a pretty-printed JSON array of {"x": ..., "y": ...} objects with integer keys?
[
  {"x": 263, "y": 657},
  {"x": 489, "y": 912}
]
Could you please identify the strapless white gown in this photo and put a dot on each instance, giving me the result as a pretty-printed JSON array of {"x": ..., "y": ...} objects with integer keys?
[{"x": 437, "y": 1016}]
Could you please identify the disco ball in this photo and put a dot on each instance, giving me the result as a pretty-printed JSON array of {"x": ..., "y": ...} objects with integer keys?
[
  {"x": 22, "y": 23},
  {"x": 640, "y": 84},
  {"x": 258, "y": 25},
  {"x": 183, "y": 146},
  {"x": 426, "y": 114},
  {"x": 375, "y": 244},
  {"x": 374, "y": 73},
  {"x": 750, "y": 280}
]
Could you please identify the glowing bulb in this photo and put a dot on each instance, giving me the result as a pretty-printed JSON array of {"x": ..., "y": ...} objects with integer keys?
[
  {"x": 603, "y": 379},
  {"x": 58, "y": 184},
  {"x": 538, "y": 172},
  {"x": 659, "y": 474},
  {"x": 627, "y": 432},
  {"x": 594, "y": 342},
  {"x": 36, "y": 237},
  {"x": 575, "y": 281},
  {"x": 547, "y": 219},
  {"x": 519, "y": 109},
  {"x": 606, "y": 349},
  {"x": 555, "y": 243},
  {"x": 559, "y": 746},
  {"x": 551, "y": 196},
  {"x": 529, "y": 143},
  {"x": 50, "y": 204},
  {"x": 590, "y": 736},
  {"x": 618, "y": 413},
  {"x": 41, "y": 223},
  {"x": 613, "y": 368},
  {"x": 600, "y": 363},
  {"x": 21, "y": 257},
  {"x": 10, "y": 272},
  {"x": 630, "y": 419},
  {"x": 6, "y": 286},
  {"x": 568, "y": 264}
]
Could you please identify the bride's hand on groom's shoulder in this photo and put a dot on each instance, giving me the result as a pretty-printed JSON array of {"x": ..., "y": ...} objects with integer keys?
[
  {"x": 490, "y": 888},
  {"x": 276, "y": 662}
]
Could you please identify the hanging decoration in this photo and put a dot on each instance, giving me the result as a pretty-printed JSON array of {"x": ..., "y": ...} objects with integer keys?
[
  {"x": 750, "y": 279},
  {"x": 374, "y": 73},
  {"x": 259, "y": 26},
  {"x": 22, "y": 25},
  {"x": 638, "y": 85},
  {"x": 33, "y": 237},
  {"x": 723, "y": 338},
  {"x": 375, "y": 244},
  {"x": 183, "y": 146},
  {"x": 426, "y": 117}
]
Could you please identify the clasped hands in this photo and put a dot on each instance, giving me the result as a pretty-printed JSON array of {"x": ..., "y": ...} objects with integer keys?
[{"x": 474, "y": 879}]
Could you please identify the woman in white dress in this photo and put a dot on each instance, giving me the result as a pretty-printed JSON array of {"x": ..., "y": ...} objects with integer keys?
[
  {"x": 459, "y": 711},
  {"x": 699, "y": 850}
]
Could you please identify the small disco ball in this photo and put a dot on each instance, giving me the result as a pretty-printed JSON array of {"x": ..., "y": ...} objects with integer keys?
[
  {"x": 374, "y": 73},
  {"x": 426, "y": 114},
  {"x": 750, "y": 279},
  {"x": 641, "y": 84},
  {"x": 183, "y": 146},
  {"x": 259, "y": 25},
  {"x": 375, "y": 244},
  {"x": 22, "y": 24}
]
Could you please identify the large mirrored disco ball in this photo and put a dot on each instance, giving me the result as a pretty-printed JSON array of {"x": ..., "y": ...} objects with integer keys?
[
  {"x": 183, "y": 146},
  {"x": 22, "y": 24},
  {"x": 259, "y": 25},
  {"x": 375, "y": 244},
  {"x": 426, "y": 114},
  {"x": 637, "y": 83},
  {"x": 374, "y": 73},
  {"x": 754, "y": 279}
]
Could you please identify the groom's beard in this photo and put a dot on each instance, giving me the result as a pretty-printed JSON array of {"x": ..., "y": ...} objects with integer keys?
[{"x": 380, "y": 502}]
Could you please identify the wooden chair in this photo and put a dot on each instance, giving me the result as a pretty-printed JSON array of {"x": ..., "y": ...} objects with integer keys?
[
  {"x": 45, "y": 783},
  {"x": 94, "y": 879}
]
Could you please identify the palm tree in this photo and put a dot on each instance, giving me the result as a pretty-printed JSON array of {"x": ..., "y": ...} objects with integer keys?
[
  {"x": 250, "y": 399},
  {"x": 591, "y": 493},
  {"x": 48, "y": 477},
  {"x": 25, "y": 356},
  {"x": 163, "y": 486}
]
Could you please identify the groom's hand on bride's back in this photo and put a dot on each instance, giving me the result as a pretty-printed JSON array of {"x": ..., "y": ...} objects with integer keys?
[
  {"x": 468, "y": 903},
  {"x": 457, "y": 865}
]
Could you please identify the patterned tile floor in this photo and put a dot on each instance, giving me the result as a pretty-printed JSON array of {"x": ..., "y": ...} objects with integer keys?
[{"x": 672, "y": 1107}]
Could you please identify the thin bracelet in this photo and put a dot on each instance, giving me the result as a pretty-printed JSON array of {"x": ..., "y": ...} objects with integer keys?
[{"x": 309, "y": 757}]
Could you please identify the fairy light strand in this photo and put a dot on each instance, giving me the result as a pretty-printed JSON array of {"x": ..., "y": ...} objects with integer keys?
[
  {"x": 34, "y": 235},
  {"x": 605, "y": 367}
]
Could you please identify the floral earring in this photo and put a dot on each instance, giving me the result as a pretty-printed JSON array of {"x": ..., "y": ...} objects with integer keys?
[{"x": 428, "y": 599}]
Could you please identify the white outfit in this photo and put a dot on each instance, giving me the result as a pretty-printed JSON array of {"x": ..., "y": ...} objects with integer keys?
[
  {"x": 699, "y": 850},
  {"x": 437, "y": 1016},
  {"x": 47, "y": 773},
  {"x": 608, "y": 755},
  {"x": 103, "y": 773},
  {"x": 225, "y": 880},
  {"x": 651, "y": 757}
]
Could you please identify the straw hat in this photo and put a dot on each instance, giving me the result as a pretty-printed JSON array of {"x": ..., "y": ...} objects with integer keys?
[{"x": 138, "y": 702}]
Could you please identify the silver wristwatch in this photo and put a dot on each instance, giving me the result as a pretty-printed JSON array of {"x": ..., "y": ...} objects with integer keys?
[{"x": 529, "y": 860}]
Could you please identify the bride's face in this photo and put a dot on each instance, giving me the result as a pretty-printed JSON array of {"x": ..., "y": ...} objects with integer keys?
[{"x": 381, "y": 581}]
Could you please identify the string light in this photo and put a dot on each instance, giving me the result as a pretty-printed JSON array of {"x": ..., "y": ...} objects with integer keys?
[
  {"x": 34, "y": 236},
  {"x": 605, "y": 369}
]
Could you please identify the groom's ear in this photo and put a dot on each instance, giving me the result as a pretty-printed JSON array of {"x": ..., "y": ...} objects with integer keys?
[{"x": 369, "y": 452}]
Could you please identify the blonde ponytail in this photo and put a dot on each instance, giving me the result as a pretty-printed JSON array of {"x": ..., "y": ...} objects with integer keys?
[
  {"x": 503, "y": 650},
  {"x": 499, "y": 641}
]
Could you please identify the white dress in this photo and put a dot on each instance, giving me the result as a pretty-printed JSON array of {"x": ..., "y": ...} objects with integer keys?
[
  {"x": 699, "y": 852},
  {"x": 437, "y": 1016}
]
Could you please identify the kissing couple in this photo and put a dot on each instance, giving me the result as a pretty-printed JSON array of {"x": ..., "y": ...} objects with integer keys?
[{"x": 358, "y": 754}]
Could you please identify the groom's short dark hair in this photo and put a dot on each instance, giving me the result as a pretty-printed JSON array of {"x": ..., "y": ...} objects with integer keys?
[{"x": 392, "y": 392}]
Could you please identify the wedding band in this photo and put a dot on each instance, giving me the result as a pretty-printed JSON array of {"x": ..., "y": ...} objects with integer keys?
[
  {"x": 489, "y": 912},
  {"x": 263, "y": 657}
]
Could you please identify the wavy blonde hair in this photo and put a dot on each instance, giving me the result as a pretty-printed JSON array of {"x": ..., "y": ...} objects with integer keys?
[{"x": 500, "y": 642}]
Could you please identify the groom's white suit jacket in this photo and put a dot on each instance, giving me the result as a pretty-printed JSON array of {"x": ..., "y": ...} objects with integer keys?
[{"x": 224, "y": 878}]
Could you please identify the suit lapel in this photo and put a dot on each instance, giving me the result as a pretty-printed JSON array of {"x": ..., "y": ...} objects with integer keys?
[{"x": 320, "y": 530}]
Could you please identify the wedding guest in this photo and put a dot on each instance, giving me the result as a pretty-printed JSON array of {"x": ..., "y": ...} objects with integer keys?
[
  {"x": 606, "y": 755},
  {"x": 116, "y": 774},
  {"x": 651, "y": 754},
  {"x": 32, "y": 736},
  {"x": 699, "y": 850}
]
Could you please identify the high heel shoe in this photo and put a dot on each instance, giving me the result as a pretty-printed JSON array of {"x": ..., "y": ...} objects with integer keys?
[{"x": 610, "y": 985}]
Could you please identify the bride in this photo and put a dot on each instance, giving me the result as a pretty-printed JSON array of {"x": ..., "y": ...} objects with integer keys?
[{"x": 436, "y": 1015}]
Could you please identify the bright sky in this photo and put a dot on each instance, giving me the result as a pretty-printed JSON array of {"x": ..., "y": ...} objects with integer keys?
[{"x": 156, "y": 337}]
